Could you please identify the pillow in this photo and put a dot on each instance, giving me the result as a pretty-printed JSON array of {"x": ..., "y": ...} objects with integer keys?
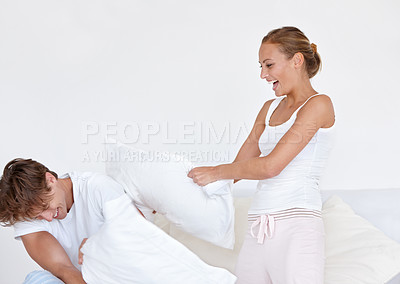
[
  {"x": 130, "y": 249},
  {"x": 209, "y": 253},
  {"x": 41, "y": 277},
  {"x": 161, "y": 184},
  {"x": 356, "y": 252}
]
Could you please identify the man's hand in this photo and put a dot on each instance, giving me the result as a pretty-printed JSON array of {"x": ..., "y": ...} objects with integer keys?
[{"x": 80, "y": 254}]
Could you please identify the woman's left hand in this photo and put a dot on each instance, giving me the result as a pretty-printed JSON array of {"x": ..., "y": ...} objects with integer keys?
[{"x": 203, "y": 175}]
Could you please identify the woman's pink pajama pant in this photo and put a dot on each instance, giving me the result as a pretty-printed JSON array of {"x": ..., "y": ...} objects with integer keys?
[{"x": 282, "y": 251}]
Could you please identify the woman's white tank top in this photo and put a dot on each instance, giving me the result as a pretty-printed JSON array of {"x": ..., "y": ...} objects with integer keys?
[{"x": 297, "y": 185}]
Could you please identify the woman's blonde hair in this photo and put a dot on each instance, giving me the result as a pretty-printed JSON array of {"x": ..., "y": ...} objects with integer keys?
[{"x": 291, "y": 41}]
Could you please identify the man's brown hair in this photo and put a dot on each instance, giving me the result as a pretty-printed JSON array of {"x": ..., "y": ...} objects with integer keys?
[{"x": 23, "y": 191}]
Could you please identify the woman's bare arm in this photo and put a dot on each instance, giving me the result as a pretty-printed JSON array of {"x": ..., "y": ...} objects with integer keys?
[
  {"x": 250, "y": 147},
  {"x": 317, "y": 113}
]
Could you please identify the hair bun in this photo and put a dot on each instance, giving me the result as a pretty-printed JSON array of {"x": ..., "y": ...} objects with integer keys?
[{"x": 314, "y": 47}]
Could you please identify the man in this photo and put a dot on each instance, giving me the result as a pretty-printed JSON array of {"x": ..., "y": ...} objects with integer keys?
[{"x": 53, "y": 215}]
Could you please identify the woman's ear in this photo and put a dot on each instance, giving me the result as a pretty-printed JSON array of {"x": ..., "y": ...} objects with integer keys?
[{"x": 298, "y": 59}]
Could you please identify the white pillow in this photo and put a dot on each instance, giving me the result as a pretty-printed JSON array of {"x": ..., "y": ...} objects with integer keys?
[
  {"x": 356, "y": 252},
  {"x": 209, "y": 253},
  {"x": 130, "y": 249},
  {"x": 161, "y": 184}
]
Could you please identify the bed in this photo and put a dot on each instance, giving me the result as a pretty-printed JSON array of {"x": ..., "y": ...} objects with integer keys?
[{"x": 375, "y": 213}]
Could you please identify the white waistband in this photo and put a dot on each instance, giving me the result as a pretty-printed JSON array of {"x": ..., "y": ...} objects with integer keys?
[
  {"x": 288, "y": 213},
  {"x": 267, "y": 221}
]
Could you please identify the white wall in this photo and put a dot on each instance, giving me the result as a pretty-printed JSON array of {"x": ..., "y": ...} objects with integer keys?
[{"x": 67, "y": 67}]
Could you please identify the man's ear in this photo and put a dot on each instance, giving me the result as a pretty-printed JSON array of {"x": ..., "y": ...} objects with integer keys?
[
  {"x": 50, "y": 179},
  {"x": 298, "y": 59}
]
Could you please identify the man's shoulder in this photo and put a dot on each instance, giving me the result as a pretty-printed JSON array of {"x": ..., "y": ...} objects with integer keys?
[
  {"x": 97, "y": 185},
  {"x": 90, "y": 178},
  {"x": 30, "y": 226},
  {"x": 99, "y": 180}
]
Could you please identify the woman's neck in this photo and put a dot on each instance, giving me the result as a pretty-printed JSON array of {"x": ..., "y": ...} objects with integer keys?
[{"x": 301, "y": 92}]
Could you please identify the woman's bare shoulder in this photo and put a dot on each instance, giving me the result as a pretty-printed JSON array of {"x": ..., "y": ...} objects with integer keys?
[
  {"x": 263, "y": 111},
  {"x": 320, "y": 107},
  {"x": 320, "y": 101},
  {"x": 266, "y": 105}
]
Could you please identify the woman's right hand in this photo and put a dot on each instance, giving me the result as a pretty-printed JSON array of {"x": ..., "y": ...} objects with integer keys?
[{"x": 203, "y": 175}]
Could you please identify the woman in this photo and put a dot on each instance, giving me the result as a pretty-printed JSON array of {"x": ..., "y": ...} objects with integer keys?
[{"x": 286, "y": 150}]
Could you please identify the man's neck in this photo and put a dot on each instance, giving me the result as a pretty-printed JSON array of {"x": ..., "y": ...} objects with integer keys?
[{"x": 67, "y": 186}]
